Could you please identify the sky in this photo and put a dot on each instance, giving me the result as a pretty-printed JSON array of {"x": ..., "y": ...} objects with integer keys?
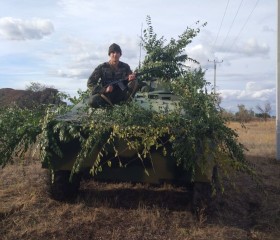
[{"x": 58, "y": 43}]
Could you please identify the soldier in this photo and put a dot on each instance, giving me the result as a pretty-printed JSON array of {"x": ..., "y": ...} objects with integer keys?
[{"x": 103, "y": 92}]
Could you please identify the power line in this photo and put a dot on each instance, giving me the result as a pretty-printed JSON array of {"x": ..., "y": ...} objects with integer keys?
[
  {"x": 245, "y": 23},
  {"x": 229, "y": 30},
  {"x": 232, "y": 22},
  {"x": 221, "y": 24}
]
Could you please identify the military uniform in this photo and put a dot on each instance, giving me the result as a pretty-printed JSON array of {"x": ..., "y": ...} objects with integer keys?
[{"x": 101, "y": 77}]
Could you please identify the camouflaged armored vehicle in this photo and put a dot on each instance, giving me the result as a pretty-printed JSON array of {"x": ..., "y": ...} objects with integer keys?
[{"x": 156, "y": 169}]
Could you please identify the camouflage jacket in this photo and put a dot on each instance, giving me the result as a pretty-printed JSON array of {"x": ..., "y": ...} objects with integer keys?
[{"x": 104, "y": 74}]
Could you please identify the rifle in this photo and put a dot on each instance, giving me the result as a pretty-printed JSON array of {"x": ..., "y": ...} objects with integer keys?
[
  {"x": 99, "y": 89},
  {"x": 119, "y": 82}
]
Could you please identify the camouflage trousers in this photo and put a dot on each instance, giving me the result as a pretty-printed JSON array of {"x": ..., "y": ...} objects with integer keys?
[{"x": 117, "y": 96}]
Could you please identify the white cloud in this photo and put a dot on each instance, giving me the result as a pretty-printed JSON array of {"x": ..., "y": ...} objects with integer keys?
[
  {"x": 199, "y": 53},
  {"x": 19, "y": 29},
  {"x": 253, "y": 86},
  {"x": 74, "y": 73},
  {"x": 250, "y": 48},
  {"x": 253, "y": 47},
  {"x": 249, "y": 93}
]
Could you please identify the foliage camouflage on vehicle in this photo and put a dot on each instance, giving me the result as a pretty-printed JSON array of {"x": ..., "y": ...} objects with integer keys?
[{"x": 192, "y": 134}]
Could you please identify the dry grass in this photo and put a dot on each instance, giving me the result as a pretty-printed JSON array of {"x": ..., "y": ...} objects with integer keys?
[
  {"x": 129, "y": 211},
  {"x": 258, "y": 136}
]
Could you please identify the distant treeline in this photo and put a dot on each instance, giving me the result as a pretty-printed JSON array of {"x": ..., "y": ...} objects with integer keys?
[
  {"x": 28, "y": 98},
  {"x": 245, "y": 115}
]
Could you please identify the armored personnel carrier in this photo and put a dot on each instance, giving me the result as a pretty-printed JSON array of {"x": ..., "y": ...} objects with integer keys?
[{"x": 158, "y": 167}]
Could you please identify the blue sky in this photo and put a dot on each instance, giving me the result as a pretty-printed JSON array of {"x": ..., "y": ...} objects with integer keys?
[{"x": 59, "y": 42}]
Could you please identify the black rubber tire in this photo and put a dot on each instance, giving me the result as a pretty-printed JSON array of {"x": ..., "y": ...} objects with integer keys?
[
  {"x": 201, "y": 196},
  {"x": 202, "y": 193},
  {"x": 62, "y": 188}
]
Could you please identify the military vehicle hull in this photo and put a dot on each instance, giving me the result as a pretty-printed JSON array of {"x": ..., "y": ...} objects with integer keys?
[{"x": 158, "y": 168}]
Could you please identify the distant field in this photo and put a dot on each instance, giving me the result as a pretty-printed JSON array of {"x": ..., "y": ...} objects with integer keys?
[
  {"x": 258, "y": 136},
  {"x": 136, "y": 211}
]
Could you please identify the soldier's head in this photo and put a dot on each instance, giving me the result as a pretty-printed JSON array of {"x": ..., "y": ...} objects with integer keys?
[{"x": 114, "y": 48}]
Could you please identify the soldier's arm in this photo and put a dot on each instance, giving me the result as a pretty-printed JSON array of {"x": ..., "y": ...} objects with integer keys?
[
  {"x": 94, "y": 77},
  {"x": 130, "y": 75}
]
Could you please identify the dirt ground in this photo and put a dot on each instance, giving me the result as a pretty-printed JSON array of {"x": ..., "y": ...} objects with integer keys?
[{"x": 139, "y": 211}]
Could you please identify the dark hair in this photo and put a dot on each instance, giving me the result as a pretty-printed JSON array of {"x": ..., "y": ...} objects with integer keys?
[{"x": 114, "y": 48}]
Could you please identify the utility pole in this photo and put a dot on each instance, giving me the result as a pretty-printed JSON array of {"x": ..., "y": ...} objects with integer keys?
[
  {"x": 278, "y": 86},
  {"x": 215, "y": 67}
]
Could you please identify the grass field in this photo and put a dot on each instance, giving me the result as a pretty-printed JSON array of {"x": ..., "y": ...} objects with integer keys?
[{"x": 136, "y": 211}]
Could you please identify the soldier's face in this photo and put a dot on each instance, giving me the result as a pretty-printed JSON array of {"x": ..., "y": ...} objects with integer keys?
[{"x": 115, "y": 56}]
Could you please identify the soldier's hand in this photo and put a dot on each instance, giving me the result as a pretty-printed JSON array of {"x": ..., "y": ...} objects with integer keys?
[
  {"x": 131, "y": 77},
  {"x": 109, "y": 89}
]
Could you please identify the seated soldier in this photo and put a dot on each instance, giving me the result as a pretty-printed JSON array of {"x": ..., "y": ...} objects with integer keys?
[{"x": 104, "y": 81}]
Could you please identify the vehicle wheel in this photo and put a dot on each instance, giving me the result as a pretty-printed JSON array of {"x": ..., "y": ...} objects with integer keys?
[
  {"x": 202, "y": 193},
  {"x": 201, "y": 196},
  {"x": 62, "y": 188}
]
